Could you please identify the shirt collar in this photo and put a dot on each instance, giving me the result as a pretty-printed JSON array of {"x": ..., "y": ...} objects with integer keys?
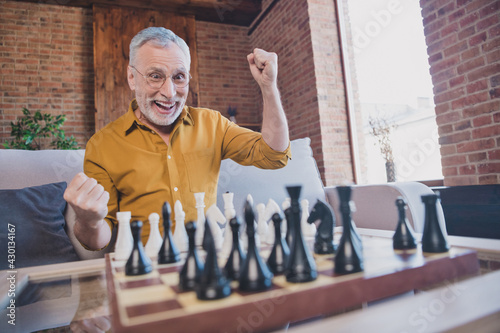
[{"x": 130, "y": 120}]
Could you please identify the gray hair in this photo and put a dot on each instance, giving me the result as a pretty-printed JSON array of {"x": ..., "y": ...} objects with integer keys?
[{"x": 159, "y": 36}]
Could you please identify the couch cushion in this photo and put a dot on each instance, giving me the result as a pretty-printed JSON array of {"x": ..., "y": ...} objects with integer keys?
[
  {"x": 266, "y": 184},
  {"x": 38, "y": 167},
  {"x": 38, "y": 216}
]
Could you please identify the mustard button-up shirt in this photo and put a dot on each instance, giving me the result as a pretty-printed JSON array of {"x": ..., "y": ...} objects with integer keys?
[{"x": 140, "y": 171}]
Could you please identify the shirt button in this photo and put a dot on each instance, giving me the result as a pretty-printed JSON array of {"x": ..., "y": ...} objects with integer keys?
[
  {"x": 176, "y": 189},
  {"x": 169, "y": 157}
]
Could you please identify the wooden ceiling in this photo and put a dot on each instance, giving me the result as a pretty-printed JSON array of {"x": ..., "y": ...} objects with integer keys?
[{"x": 237, "y": 12}]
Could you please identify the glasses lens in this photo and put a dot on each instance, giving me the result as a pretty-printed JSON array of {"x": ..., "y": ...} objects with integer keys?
[{"x": 179, "y": 80}]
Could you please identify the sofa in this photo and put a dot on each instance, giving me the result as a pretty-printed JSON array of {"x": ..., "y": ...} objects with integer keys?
[{"x": 32, "y": 183}]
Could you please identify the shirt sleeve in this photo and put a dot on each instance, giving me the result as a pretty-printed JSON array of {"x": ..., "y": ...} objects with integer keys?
[
  {"x": 247, "y": 147},
  {"x": 93, "y": 168}
]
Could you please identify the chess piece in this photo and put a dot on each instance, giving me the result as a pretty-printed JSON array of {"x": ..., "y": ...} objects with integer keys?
[
  {"x": 433, "y": 238},
  {"x": 262, "y": 227},
  {"x": 124, "y": 239},
  {"x": 288, "y": 225},
  {"x": 200, "y": 221},
  {"x": 180, "y": 235},
  {"x": 279, "y": 254},
  {"x": 213, "y": 284},
  {"x": 229, "y": 213},
  {"x": 271, "y": 208},
  {"x": 403, "y": 238},
  {"x": 153, "y": 244},
  {"x": 254, "y": 275},
  {"x": 308, "y": 229},
  {"x": 301, "y": 266},
  {"x": 190, "y": 273},
  {"x": 323, "y": 240},
  {"x": 349, "y": 257},
  {"x": 138, "y": 263},
  {"x": 236, "y": 257},
  {"x": 168, "y": 253},
  {"x": 215, "y": 218}
]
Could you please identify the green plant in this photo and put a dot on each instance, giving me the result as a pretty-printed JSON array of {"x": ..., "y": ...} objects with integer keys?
[{"x": 29, "y": 131}]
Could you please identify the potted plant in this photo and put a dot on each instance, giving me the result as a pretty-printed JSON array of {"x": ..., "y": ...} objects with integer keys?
[{"x": 29, "y": 131}]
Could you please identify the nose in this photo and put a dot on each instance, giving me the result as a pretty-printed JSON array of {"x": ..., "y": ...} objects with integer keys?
[{"x": 168, "y": 89}]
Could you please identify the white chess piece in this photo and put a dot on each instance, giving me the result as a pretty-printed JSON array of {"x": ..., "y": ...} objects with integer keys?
[
  {"x": 308, "y": 229},
  {"x": 155, "y": 240},
  {"x": 271, "y": 208},
  {"x": 124, "y": 239},
  {"x": 200, "y": 221},
  {"x": 215, "y": 218},
  {"x": 180, "y": 236},
  {"x": 262, "y": 228},
  {"x": 229, "y": 213}
]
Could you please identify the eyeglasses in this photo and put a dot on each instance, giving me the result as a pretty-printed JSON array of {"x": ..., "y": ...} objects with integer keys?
[{"x": 156, "y": 80}]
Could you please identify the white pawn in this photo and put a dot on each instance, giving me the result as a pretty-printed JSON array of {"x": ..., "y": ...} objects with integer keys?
[
  {"x": 200, "y": 221},
  {"x": 271, "y": 208},
  {"x": 308, "y": 229},
  {"x": 229, "y": 213},
  {"x": 262, "y": 227},
  {"x": 155, "y": 240},
  {"x": 180, "y": 236},
  {"x": 124, "y": 239},
  {"x": 215, "y": 218}
]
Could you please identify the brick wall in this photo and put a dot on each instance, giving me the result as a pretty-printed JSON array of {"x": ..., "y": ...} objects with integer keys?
[
  {"x": 225, "y": 78},
  {"x": 46, "y": 64},
  {"x": 463, "y": 39}
]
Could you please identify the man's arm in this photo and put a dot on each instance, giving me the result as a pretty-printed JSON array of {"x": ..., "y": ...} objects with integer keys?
[
  {"x": 264, "y": 68},
  {"x": 89, "y": 200}
]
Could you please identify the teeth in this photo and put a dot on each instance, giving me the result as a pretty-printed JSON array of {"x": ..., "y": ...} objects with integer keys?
[{"x": 165, "y": 104}]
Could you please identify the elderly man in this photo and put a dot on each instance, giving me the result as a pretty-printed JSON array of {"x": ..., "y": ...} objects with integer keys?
[{"x": 162, "y": 150}]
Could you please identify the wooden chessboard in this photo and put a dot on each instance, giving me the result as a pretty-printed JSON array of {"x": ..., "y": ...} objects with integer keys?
[{"x": 153, "y": 302}]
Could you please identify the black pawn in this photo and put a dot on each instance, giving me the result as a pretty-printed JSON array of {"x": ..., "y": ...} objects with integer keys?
[
  {"x": 168, "y": 253},
  {"x": 403, "y": 238},
  {"x": 138, "y": 263},
  {"x": 213, "y": 284},
  {"x": 433, "y": 238},
  {"x": 254, "y": 275},
  {"x": 236, "y": 257},
  {"x": 191, "y": 271},
  {"x": 281, "y": 252},
  {"x": 349, "y": 257},
  {"x": 301, "y": 266}
]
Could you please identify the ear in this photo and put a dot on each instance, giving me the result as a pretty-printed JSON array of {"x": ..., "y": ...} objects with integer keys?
[{"x": 130, "y": 78}]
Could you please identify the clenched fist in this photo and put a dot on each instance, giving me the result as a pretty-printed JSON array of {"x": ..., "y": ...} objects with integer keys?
[{"x": 264, "y": 67}]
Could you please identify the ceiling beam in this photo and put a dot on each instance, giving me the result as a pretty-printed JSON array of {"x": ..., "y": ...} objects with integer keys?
[{"x": 236, "y": 12}]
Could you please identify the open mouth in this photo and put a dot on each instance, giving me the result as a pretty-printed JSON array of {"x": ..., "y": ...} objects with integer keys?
[{"x": 166, "y": 107}]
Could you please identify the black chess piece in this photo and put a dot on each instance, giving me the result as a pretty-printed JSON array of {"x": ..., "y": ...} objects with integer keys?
[
  {"x": 254, "y": 275},
  {"x": 168, "y": 253},
  {"x": 289, "y": 226},
  {"x": 138, "y": 263},
  {"x": 433, "y": 238},
  {"x": 190, "y": 273},
  {"x": 349, "y": 257},
  {"x": 281, "y": 252},
  {"x": 323, "y": 241},
  {"x": 403, "y": 238},
  {"x": 236, "y": 258},
  {"x": 213, "y": 284},
  {"x": 301, "y": 266}
]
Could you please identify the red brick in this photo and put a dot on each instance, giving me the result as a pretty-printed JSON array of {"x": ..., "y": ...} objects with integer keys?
[
  {"x": 485, "y": 168},
  {"x": 489, "y": 179},
  {"x": 494, "y": 155},
  {"x": 487, "y": 107},
  {"x": 485, "y": 132},
  {"x": 482, "y": 120},
  {"x": 467, "y": 170},
  {"x": 455, "y": 138}
]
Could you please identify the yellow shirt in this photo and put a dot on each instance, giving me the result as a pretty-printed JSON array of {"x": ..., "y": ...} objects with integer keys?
[{"x": 140, "y": 171}]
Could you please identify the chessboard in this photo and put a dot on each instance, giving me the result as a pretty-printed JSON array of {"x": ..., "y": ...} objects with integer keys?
[{"x": 154, "y": 303}]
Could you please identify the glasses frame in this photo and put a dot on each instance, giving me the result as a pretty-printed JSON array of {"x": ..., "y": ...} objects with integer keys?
[{"x": 164, "y": 80}]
